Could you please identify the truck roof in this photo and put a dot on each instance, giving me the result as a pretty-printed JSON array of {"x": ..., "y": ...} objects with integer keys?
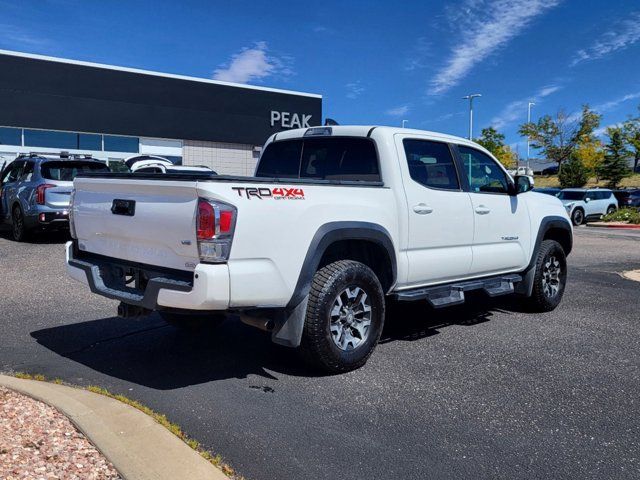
[{"x": 365, "y": 131}]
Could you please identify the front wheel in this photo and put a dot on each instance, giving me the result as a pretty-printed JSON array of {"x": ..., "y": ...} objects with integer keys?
[
  {"x": 345, "y": 316},
  {"x": 550, "y": 277},
  {"x": 577, "y": 217}
]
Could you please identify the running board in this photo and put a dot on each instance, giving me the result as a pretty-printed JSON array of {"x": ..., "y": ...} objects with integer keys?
[{"x": 453, "y": 294}]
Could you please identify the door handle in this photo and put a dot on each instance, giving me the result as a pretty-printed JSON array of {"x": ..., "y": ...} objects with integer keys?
[
  {"x": 482, "y": 210},
  {"x": 422, "y": 209}
]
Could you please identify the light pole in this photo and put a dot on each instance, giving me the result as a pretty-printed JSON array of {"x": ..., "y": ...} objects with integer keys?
[
  {"x": 528, "y": 121},
  {"x": 404, "y": 122},
  {"x": 470, "y": 98}
]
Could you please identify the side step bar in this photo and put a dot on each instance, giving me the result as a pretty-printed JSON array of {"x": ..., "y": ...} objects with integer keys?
[{"x": 453, "y": 294}]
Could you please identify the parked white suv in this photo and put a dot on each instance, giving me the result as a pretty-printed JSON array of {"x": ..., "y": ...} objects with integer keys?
[
  {"x": 336, "y": 221},
  {"x": 588, "y": 204}
]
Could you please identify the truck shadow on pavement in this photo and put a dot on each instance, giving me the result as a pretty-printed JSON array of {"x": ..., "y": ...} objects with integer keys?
[
  {"x": 39, "y": 238},
  {"x": 151, "y": 353}
]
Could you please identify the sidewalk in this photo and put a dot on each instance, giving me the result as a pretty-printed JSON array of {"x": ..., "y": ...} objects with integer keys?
[{"x": 137, "y": 446}]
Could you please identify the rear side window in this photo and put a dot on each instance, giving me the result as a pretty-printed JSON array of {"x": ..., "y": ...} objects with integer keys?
[
  {"x": 67, "y": 171},
  {"x": 332, "y": 158},
  {"x": 431, "y": 164}
]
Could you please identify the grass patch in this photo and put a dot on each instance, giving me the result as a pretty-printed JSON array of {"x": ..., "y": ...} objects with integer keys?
[
  {"x": 162, "y": 419},
  {"x": 627, "y": 215},
  {"x": 552, "y": 181}
]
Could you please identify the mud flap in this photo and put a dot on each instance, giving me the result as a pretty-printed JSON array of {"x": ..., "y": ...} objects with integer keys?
[{"x": 289, "y": 325}]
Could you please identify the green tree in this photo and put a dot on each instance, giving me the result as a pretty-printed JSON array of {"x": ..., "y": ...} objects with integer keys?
[
  {"x": 590, "y": 152},
  {"x": 573, "y": 173},
  {"x": 557, "y": 137},
  {"x": 493, "y": 141},
  {"x": 615, "y": 166},
  {"x": 631, "y": 133}
]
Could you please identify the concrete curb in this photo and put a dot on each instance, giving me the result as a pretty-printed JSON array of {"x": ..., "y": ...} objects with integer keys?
[
  {"x": 138, "y": 447},
  {"x": 628, "y": 226}
]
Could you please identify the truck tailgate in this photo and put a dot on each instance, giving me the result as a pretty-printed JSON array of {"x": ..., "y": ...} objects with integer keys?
[{"x": 140, "y": 220}]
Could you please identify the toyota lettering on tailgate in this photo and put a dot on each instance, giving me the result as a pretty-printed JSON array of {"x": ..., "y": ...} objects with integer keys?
[{"x": 280, "y": 193}]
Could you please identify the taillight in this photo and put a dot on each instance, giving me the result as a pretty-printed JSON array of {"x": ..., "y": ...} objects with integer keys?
[
  {"x": 40, "y": 192},
  {"x": 215, "y": 224},
  {"x": 206, "y": 220}
]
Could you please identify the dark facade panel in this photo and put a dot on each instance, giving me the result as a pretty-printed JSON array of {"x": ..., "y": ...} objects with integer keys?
[{"x": 37, "y": 93}]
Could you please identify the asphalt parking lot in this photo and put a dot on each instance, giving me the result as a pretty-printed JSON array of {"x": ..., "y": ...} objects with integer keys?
[{"x": 477, "y": 392}]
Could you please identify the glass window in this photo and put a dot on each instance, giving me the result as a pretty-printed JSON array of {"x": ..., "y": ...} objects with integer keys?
[
  {"x": 113, "y": 143},
  {"x": 281, "y": 160},
  {"x": 431, "y": 164},
  {"x": 571, "y": 195},
  {"x": 68, "y": 169},
  {"x": 12, "y": 172},
  {"x": 329, "y": 158},
  {"x": 351, "y": 159},
  {"x": 89, "y": 141},
  {"x": 27, "y": 173},
  {"x": 10, "y": 136},
  {"x": 484, "y": 174},
  {"x": 50, "y": 139}
]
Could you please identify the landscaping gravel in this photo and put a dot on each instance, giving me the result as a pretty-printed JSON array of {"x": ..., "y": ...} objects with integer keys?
[{"x": 38, "y": 442}]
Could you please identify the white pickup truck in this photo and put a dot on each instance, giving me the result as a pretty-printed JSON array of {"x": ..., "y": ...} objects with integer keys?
[{"x": 336, "y": 221}]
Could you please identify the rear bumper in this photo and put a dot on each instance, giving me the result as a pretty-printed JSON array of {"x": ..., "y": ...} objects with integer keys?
[{"x": 206, "y": 289}]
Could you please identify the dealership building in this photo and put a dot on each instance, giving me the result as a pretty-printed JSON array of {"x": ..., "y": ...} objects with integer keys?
[{"x": 53, "y": 105}]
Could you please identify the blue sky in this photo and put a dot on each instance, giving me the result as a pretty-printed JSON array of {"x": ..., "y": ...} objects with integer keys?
[{"x": 374, "y": 62}]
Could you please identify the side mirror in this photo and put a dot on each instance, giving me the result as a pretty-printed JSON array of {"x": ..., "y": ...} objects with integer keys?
[
  {"x": 587, "y": 200},
  {"x": 523, "y": 184}
]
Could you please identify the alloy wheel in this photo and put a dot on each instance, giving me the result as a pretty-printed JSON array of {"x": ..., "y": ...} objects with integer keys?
[
  {"x": 350, "y": 318},
  {"x": 551, "y": 272}
]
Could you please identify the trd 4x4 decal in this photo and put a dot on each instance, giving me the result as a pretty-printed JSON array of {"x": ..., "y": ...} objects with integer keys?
[{"x": 280, "y": 193}]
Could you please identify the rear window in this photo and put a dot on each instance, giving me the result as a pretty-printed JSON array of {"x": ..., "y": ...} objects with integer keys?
[
  {"x": 329, "y": 158},
  {"x": 67, "y": 171},
  {"x": 571, "y": 195}
]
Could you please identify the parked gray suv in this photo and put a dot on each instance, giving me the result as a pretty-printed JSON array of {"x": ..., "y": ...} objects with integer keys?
[{"x": 35, "y": 191}]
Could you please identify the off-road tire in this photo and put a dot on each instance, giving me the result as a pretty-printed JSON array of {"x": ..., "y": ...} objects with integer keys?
[
  {"x": 19, "y": 230},
  {"x": 540, "y": 301},
  {"x": 193, "y": 323},
  {"x": 318, "y": 345},
  {"x": 578, "y": 217}
]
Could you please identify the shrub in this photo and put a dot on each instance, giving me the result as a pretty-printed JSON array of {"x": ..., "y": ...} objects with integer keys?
[
  {"x": 573, "y": 174},
  {"x": 628, "y": 215}
]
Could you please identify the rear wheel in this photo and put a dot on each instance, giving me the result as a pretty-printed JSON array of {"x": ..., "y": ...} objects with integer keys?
[
  {"x": 550, "y": 277},
  {"x": 611, "y": 209},
  {"x": 577, "y": 217},
  {"x": 19, "y": 228},
  {"x": 345, "y": 316},
  {"x": 195, "y": 323}
]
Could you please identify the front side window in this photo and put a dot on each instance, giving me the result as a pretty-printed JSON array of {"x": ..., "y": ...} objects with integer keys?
[
  {"x": 571, "y": 195},
  {"x": 12, "y": 172},
  {"x": 431, "y": 164},
  {"x": 328, "y": 158},
  {"x": 483, "y": 173}
]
